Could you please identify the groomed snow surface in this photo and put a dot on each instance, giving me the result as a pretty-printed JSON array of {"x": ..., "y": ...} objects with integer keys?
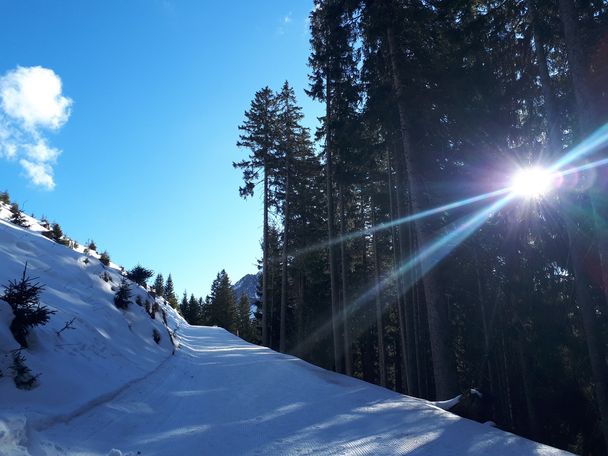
[{"x": 108, "y": 389}]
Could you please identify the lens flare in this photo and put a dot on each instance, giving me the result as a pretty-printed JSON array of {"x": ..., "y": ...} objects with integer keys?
[{"x": 532, "y": 182}]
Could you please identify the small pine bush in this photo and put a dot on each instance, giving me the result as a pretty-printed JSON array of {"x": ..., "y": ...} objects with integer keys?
[
  {"x": 5, "y": 198},
  {"x": 24, "y": 298},
  {"x": 105, "y": 258},
  {"x": 17, "y": 217},
  {"x": 122, "y": 298},
  {"x": 91, "y": 246},
  {"x": 22, "y": 375}
]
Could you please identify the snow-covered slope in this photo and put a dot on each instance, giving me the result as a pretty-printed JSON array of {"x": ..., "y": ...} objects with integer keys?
[
  {"x": 107, "y": 389},
  {"x": 107, "y": 349}
]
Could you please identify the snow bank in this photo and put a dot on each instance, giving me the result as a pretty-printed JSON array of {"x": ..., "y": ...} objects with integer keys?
[{"x": 107, "y": 350}]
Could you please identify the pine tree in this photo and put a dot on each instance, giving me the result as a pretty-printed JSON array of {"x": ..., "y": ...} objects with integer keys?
[
  {"x": 140, "y": 275},
  {"x": 23, "y": 296},
  {"x": 17, "y": 217},
  {"x": 4, "y": 197},
  {"x": 259, "y": 136},
  {"x": 222, "y": 303},
  {"x": 169, "y": 293},
  {"x": 105, "y": 258},
  {"x": 184, "y": 306},
  {"x": 159, "y": 285},
  {"x": 194, "y": 311},
  {"x": 57, "y": 233},
  {"x": 293, "y": 146},
  {"x": 122, "y": 298}
]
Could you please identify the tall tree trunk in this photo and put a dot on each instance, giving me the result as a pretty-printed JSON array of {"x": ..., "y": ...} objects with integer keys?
[
  {"x": 397, "y": 248},
  {"x": 265, "y": 262},
  {"x": 300, "y": 303},
  {"x": 379, "y": 324},
  {"x": 348, "y": 368},
  {"x": 444, "y": 363},
  {"x": 282, "y": 330},
  {"x": 335, "y": 305},
  {"x": 406, "y": 251}
]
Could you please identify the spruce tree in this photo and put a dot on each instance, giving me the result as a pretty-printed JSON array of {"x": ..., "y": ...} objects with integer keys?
[
  {"x": 105, "y": 258},
  {"x": 159, "y": 285},
  {"x": 4, "y": 197},
  {"x": 122, "y": 298},
  {"x": 140, "y": 275},
  {"x": 23, "y": 296},
  {"x": 169, "y": 293},
  {"x": 184, "y": 306},
  {"x": 259, "y": 136},
  {"x": 17, "y": 217},
  {"x": 194, "y": 311},
  {"x": 222, "y": 303}
]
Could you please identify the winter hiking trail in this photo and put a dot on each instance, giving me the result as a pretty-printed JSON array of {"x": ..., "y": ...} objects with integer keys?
[{"x": 220, "y": 395}]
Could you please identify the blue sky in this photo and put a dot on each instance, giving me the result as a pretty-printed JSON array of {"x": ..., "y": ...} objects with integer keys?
[{"x": 158, "y": 89}]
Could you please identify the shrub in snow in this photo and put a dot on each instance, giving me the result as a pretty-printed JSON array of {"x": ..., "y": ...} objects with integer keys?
[
  {"x": 105, "y": 258},
  {"x": 138, "y": 301},
  {"x": 140, "y": 275},
  {"x": 156, "y": 335},
  {"x": 45, "y": 223},
  {"x": 91, "y": 246},
  {"x": 122, "y": 298},
  {"x": 17, "y": 217},
  {"x": 24, "y": 298},
  {"x": 22, "y": 375},
  {"x": 5, "y": 198},
  {"x": 106, "y": 277}
]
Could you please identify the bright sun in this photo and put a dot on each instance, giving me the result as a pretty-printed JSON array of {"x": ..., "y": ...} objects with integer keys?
[{"x": 532, "y": 182}]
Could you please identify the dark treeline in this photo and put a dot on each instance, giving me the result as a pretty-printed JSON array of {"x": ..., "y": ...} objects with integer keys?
[{"x": 428, "y": 103}]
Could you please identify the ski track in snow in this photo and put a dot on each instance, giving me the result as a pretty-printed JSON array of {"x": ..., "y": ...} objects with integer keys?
[
  {"x": 108, "y": 390},
  {"x": 222, "y": 396}
]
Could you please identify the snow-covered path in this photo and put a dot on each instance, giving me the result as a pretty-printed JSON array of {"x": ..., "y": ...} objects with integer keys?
[{"x": 221, "y": 396}]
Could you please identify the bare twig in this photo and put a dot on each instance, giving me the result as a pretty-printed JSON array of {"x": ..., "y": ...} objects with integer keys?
[{"x": 68, "y": 325}]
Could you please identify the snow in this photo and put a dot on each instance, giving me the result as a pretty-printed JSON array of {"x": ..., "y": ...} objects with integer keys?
[
  {"x": 448, "y": 403},
  {"x": 107, "y": 389}
]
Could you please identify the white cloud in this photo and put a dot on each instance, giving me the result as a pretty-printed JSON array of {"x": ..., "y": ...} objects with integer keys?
[
  {"x": 287, "y": 19},
  {"x": 33, "y": 97},
  {"x": 31, "y": 101},
  {"x": 41, "y": 151},
  {"x": 40, "y": 173}
]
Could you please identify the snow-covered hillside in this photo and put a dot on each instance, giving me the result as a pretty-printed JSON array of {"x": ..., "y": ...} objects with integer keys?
[
  {"x": 107, "y": 350},
  {"x": 106, "y": 388}
]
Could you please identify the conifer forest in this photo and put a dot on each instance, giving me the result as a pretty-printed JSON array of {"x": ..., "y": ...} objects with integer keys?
[{"x": 389, "y": 251}]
